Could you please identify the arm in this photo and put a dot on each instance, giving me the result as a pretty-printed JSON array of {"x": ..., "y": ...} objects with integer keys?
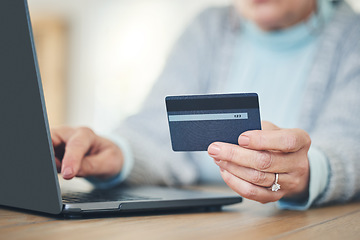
[
  {"x": 187, "y": 71},
  {"x": 334, "y": 112},
  {"x": 336, "y": 132}
]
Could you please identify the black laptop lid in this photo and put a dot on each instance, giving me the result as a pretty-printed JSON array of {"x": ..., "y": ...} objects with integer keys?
[{"x": 28, "y": 176}]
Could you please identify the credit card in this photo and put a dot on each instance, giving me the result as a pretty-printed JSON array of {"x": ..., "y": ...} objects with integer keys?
[{"x": 196, "y": 121}]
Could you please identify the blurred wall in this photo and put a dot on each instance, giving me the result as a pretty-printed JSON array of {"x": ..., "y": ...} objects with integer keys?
[{"x": 115, "y": 49}]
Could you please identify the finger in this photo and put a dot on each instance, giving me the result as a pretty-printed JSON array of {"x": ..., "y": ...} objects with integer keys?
[
  {"x": 250, "y": 191},
  {"x": 93, "y": 165},
  {"x": 78, "y": 145},
  {"x": 55, "y": 139},
  {"x": 284, "y": 140},
  {"x": 60, "y": 135},
  {"x": 265, "y": 125},
  {"x": 266, "y": 161},
  {"x": 258, "y": 178},
  {"x": 250, "y": 175}
]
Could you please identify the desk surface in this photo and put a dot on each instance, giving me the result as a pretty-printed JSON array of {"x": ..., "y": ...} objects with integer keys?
[{"x": 248, "y": 220}]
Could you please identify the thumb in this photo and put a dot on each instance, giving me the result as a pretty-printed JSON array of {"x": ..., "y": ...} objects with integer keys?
[{"x": 266, "y": 125}]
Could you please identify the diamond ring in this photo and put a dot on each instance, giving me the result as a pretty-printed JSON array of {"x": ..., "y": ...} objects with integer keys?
[{"x": 275, "y": 187}]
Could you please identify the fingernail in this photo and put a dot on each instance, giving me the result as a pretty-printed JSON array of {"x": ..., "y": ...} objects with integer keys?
[
  {"x": 214, "y": 149},
  {"x": 244, "y": 140},
  {"x": 67, "y": 172}
]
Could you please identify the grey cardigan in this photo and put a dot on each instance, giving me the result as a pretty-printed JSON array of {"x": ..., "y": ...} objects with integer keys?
[{"x": 200, "y": 62}]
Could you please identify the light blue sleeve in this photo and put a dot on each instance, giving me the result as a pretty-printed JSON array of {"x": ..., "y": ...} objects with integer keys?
[
  {"x": 123, "y": 144},
  {"x": 319, "y": 171}
]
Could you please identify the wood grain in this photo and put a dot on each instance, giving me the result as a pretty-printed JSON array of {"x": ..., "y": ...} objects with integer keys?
[{"x": 248, "y": 220}]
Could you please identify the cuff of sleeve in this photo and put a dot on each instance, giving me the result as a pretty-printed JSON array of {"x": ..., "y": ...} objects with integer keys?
[
  {"x": 319, "y": 171},
  {"x": 126, "y": 169}
]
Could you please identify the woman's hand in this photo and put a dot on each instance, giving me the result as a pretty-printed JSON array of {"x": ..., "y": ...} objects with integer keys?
[
  {"x": 80, "y": 152},
  {"x": 249, "y": 168}
]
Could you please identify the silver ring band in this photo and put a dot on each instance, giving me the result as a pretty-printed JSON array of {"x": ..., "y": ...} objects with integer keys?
[{"x": 275, "y": 187}]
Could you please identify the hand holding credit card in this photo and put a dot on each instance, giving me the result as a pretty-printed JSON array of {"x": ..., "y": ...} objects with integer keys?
[{"x": 196, "y": 121}]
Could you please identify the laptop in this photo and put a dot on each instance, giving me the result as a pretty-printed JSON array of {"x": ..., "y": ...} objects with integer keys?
[{"x": 28, "y": 176}]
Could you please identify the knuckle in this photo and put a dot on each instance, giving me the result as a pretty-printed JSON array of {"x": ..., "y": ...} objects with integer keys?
[
  {"x": 293, "y": 184},
  {"x": 226, "y": 177},
  {"x": 86, "y": 131},
  {"x": 249, "y": 193},
  {"x": 291, "y": 142},
  {"x": 224, "y": 165},
  {"x": 302, "y": 169},
  {"x": 297, "y": 139},
  {"x": 258, "y": 177},
  {"x": 76, "y": 151},
  {"x": 261, "y": 139},
  {"x": 264, "y": 160},
  {"x": 231, "y": 153},
  {"x": 88, "y": 168},
  {"x": 115, "y": 160},
  {"x": 113, "y": 152},
  {"x": 77, "y": 143}
]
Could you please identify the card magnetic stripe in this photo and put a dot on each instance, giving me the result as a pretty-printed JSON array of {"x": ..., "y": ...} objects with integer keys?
[{"x": 211, "y": 102}]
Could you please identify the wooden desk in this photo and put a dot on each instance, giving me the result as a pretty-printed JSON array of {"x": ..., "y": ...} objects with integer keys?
[{"x": 248, "y": 220}]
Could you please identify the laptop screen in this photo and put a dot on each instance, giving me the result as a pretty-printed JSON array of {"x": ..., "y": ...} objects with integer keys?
[{"x": 28, "y": 177}]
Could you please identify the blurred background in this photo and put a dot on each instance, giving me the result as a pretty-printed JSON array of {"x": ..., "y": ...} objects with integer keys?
[{"x": 98, "y": 59}]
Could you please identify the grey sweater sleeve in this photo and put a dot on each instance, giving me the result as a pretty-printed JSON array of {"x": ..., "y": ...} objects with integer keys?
[
  {"x": 331, "y": 112},
  {"x": 336, "y": 131}
]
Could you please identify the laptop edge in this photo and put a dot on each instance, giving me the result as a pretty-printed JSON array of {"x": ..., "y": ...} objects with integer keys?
[{"x": 29, "y": 180}]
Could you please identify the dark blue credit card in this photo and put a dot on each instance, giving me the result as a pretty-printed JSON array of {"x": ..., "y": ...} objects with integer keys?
[{"x": 196, "y": 121}]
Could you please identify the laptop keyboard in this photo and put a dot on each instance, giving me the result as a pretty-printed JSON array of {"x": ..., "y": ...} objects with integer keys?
[{"x": 100, "y": 196}]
